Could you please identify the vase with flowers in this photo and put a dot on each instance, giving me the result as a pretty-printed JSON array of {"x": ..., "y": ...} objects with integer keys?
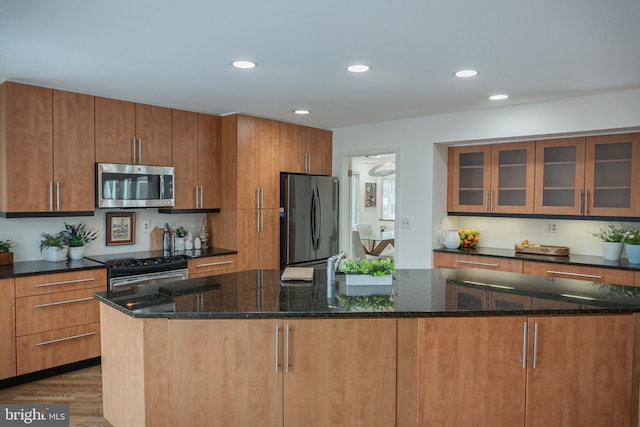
[
  {"x": 632, "y": 245},
  {"x": 612, "y": 240}
]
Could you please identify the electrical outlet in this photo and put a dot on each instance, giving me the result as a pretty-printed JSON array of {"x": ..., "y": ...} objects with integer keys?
[
  {"x": 551, "y": 227},
  {"x": 405, "y": 223},
  {"x": 146, "y": 226}
]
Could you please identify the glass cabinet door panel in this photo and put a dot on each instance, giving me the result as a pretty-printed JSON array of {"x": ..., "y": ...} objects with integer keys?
[
  {"x": 469, "y": 178},
  {"x": 611, "y": 176},
  {"x": 559, "y": 176},
  {"x": 512, "y": 178}
]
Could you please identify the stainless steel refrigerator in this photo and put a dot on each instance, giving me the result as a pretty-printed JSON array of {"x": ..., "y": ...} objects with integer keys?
[{"x": 308, "y": 218}]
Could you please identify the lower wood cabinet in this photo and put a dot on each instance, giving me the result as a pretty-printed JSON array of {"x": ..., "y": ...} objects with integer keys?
[
  {"x": 453, "y": 260},
  {"x": 7, "y": 329},
  {"x": 580, "y": 272},
  {"x": 509, "y": 371},
  {"x": 212, "y": 266}
]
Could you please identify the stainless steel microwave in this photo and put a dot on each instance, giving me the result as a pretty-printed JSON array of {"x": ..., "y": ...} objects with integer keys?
[{"x": 134, "y": 186}]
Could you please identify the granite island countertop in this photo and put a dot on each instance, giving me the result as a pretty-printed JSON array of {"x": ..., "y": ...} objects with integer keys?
[{"x": 414, "y": 293}]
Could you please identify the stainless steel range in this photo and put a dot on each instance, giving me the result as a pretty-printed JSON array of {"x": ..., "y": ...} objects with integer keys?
[{"x": 142, "y": 268}]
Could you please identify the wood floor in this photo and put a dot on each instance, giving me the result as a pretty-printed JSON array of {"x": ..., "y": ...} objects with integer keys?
[{"x": 81, "y": 389}]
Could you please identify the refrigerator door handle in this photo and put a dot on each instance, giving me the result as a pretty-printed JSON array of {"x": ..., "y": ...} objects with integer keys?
[
  {"x": 318, "y": 218},
  {"x": 313, "y": 219}
]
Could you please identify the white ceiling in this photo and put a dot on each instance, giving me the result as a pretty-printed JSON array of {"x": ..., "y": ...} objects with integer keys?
[{"x": 177, "y": 53}]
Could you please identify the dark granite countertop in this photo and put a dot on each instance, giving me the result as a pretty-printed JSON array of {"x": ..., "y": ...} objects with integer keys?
[
  {"x": 29, "y": 268},
  {"x": 414, "y": 293},
  {"x": 586, "y": 260}
]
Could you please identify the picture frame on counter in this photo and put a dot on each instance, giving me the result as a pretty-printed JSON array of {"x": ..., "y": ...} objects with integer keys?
[{"x": 121, "y": 228}]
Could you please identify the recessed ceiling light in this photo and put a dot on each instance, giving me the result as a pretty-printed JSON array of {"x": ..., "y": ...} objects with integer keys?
[
  {"x": 498, "y": 97},
  {"x": 358, "y": 68},
  {"x": 465, "y": 73},
  {"x": 245, "y": 65},
  {"x": 301, "y": 112}
]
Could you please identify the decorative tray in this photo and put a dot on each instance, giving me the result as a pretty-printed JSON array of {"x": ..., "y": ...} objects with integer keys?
[{"x": 543, "y": 250}]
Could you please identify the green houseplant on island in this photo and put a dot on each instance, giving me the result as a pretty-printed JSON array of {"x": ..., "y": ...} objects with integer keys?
[
  {"x": 54, "y": 247},
  {"x": 632, "y": 245},
  {"x": 369, "y": 272},
  {"x": 6, "y": 256},
  {"x": 612, "y": 239},
  {"x": 78, "y": 236}
]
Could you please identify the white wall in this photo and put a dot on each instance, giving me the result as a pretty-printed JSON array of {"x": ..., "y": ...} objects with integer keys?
[
  {"x": 25, "y": 232},
  {"x": 421, "y": 165}
]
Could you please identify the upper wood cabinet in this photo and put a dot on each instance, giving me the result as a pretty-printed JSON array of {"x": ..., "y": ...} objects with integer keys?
[
  {"x": 305, "y": 149},
  {"x": 195, "y": 156},
  {"x": 493, "y": 178},
  {"x": 47, "y": 150},
  {"x": 132, "y": 133}
]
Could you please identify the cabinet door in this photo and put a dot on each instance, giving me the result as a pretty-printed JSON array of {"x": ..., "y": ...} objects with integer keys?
[
  {"x": 319, "y": 148},
  {"x": 612, "y": 175},
  {"x": 209, "y": 162},
  {"x": 293, "y": 148},
  {"x": 153, "y": 133},
  {"x": 512, "y": 178},
  {"x": 454, "y": 260},
  {"x": 580, "y": 272},
  {"x": 247, "y": 162},
  {"x": 7, "y": 329},
  {"x": 559, "y": 175},
  {"x": 268, "y": 157},
  {"x": 232, "y": 358},
  {"x": 469, "y": 179},
  {"x": 470, "y": 372},
  {"x": 342, "y": 372},
  {"x": 74, "y": 151},
  {"x": 582, "y": 373},
  {"x": 248, "y": 248},
  {"x": 115, "y": 123},
  {"x": 269, "y": 239},
  {"x": 28, "y": 141},
  {"x": 184, "y": 152}
]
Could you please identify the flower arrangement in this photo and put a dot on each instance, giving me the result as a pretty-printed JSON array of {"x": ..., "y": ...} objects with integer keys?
[
  {"x": 79, "y": 235},
  {"x": 632, "y": 237},
  {"x": 374, "y": 267},
  {"x": 612, "y": 233}
]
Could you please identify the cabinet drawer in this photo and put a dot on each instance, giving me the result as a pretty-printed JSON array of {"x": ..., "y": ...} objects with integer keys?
[
  {"x": 54, "y": 348},
  {"x": 39, "y": 313},
  {"x": 448, "y": 260},
  {"x": 60, "y": 282},
  {"x": 580, "y": 272},
  {"x": 212, "y": 266}
]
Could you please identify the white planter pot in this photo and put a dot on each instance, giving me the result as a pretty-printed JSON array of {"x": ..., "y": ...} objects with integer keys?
[
  {"x": 612, "y": 250},
  {"x": 365, "y": 279},
  {"x": 54, "y": 253},
  {"x": 76, "y": 252},
  {"x": 179, "y": 244}
]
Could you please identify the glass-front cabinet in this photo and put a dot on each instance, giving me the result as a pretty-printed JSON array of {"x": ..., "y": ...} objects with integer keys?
[
  {"x": 495, "y": 178},
  {"x": 592, "y": 176}
]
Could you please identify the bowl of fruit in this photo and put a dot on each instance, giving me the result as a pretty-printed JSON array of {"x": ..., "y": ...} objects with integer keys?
[{"x": 469, "y": 237}]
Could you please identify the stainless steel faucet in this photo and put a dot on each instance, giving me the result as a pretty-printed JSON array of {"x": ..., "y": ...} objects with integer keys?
[{"x": 332, "y": 266}]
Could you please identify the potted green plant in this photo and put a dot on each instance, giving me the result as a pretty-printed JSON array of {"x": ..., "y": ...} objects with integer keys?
[
  {"x": 54, "y": 246},
  {"x": 612, "y": 238},
  {"x": 78, "y": 236},
  {"x": 632, "y": 245},
  {"x": 181, "y": 232},
  {"x": 6, "y": 256},
  {"x": 369, "y": 272}
]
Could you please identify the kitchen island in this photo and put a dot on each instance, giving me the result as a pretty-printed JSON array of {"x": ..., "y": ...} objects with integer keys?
[{"x": 438, "y": 347}]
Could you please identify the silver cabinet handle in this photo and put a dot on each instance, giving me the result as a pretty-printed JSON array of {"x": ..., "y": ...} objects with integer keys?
[
  {"x": 566, "y": 273},
  {"x": 139, "y": 151},
  {"x": 491, "y": 202},
  {"x": 214, "y": 263},
  {"x": 50, "y": 304},
  {"x": 58, "y": 196},
  {"x": 535, "y": 345},
  {"x": 286, "y": 350},
  {"x": 524, "y": 345},
  {"x": 134, "y": 151},
  {"x": 196, "y": 196},
  {"x": 258, "y": 221},
  {"x": 586, "y": 202},
  {"x": 476, "y": 263},
  {"x": 486, "y": 201},
  {"x": 65, "y": 339},
  {"x": 261, "y": 219},
  {"x": 258, "y": 198},
  {"x": 51, "y": 195},
  {"x": 66, "y": 282},
  {"x": 277, "y": 348},
  {"x": 201, "y": 192},
  {"x": 580, "y": 202}
]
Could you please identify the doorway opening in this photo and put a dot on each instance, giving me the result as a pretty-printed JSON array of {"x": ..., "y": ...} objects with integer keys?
[{"x": 372, "y": 204}]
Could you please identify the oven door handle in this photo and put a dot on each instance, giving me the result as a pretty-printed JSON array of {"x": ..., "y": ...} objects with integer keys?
[{"x": 142, "y": 278}]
